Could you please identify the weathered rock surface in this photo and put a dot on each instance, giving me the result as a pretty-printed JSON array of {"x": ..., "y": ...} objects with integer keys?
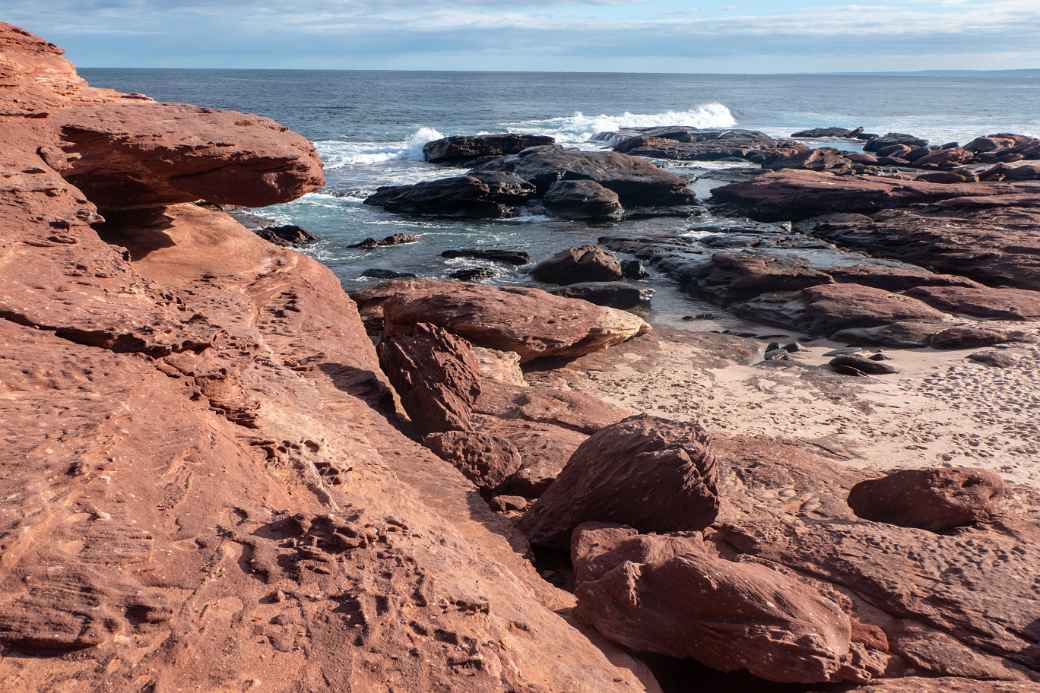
[
  {"x": 637, "y": 182},
  {"x": 694, "y": 144},
  {"x": 893, "y": 139},
  {"x": 670, "y": 595},
  {"x": 796, "y": 194},
  {"x": 583, "y": 199},
  {"x": 982, "y": 301},
  {"x": 530, "y": 322},
  {"x": 436, "y": 374},
  {"x": 386, "y": 242},
  {"x": 584, "y": 263},
  {"x": 486, "y": 460},
  {"x": 463, "y": 148},
  {"x": 201, "y": 489},
  {"x": 145, "y": 154},
  {"x": 935, "y": 499},
  {"x": 473, "y": 196},
  {"x": 646, "y": 472}
]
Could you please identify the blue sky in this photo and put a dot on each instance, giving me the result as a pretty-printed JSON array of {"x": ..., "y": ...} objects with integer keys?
[{"x": 570, "y": 35}]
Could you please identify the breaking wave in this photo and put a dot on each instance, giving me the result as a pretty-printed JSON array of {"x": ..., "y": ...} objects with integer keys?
[
  {"x": 338, "y": 154},
  {"x": 579, "y": 127}
]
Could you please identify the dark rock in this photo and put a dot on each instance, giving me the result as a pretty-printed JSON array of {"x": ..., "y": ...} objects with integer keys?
[
  {"x": 395, "y": 239},
  {"x": 613, "y": 294},
  {"x": 824, "y": 133},
  {"x": 582, "y": 199},
  {"x": 736, "y": 276},
  {"x": 462, "y": 148},
  {"x": 633, "y": 269},
  {"x": 436, "y": 374},
  {"x": 894, "y": 138},
  {"x": 585, "y": 263},
  {"x": 287, "y": 235},
  {"x": 508, "y": 257},
  {"x": 376, "y": 273},
  {"x": 857, "y": 365},
  {"x": 637, "y": 182},
  {"x": 470, "y": 196},
  {"x": 473, "y": 274},
  {"x": 933, "y": 499},
  {"x": 646, "y": 472}
]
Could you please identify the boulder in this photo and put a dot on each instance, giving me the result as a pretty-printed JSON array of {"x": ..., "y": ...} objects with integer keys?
[
  {"x": 646, "y": 472},
  {"x": 379, "y": 273},
  {"x": 973, "y": 337},
  {"x": 584, "y": 263},
  {"x": 949, "y": 177},
  {"x": 391, "y": 240},
  {"x": 670, "y": 595},
  {"x": 944, "y": 158},
  {"x": 994, "y": 358},
  {"x": 858, "y": 365},
  {"x": 473, "y": 274},
  {"x": 147, "y": 154},
  {"x": 613, "y": 294},
  {"x": 695, "y": 144},
  {"x": 822, "y": 159},
  {"x": 894, "y": 138},
  {"x": 287, "y": 235},
  {"x": 463, "y": 148},
  {"x": 933, "y": 499},
  {"x": 529, "y": 322},
  {"x": 486, "y": 460},
  {"x": 470, "y": 196},
  {"x": 742, "y": 275},
  {"x": 637, "y": 182},
  {"x": 901, "y": 334},
  {"x": 436, "y": 374},
  {"x": 507, "y": 257},
  {"x": 823, "y": 133},
  {"x": 582, "y": 200}
]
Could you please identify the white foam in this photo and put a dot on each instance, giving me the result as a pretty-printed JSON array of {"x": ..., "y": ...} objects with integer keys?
[
  {"x": 579, "y": 128},
  {"x": 339, "y": 154}
]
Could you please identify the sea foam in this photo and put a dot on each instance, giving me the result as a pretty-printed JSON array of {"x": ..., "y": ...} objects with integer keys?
[
  {"x": 578, "y": 128},
  {"x": 338, "y": 154}
]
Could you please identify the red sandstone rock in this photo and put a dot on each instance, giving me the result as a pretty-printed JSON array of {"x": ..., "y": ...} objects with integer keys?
[
  {"x": 982, "y": 301},
  {"x": 529, "y": 322},
  {"x": 646, "y": 472},
  {"x": 486, "y": 460},
  {"x": 934, "y": 499},
  {"x": 126, "y": 155},
  {"x": 584, "y": 263},
  {"x": 435, "y": 373},
  {"x": 669, "y": 595}
]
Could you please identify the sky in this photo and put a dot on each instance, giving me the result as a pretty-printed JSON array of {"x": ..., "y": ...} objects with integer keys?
[{"x": 726, "y": 36}]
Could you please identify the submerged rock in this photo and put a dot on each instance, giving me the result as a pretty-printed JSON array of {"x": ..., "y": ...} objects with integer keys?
[
  {"x": 614, "y": 294},
  {"x": 508, "y": 257},
  {"x": 473, "y": 196},
  {"x": 392, "y": 240}
]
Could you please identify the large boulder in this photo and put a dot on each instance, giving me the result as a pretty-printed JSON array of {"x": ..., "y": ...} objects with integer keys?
[
  {"x": 671, "y": 595},
  {"x": 470, "y": 196},
  {"x": 982, "y": 301},
  {"x": 935, "y": 499},
  {"x": 583, "y": 200},
  {"x": 486, "y": 460},
  {"x": 530, "y": 322},
  {"x": 584, "y": 263},
  {"x": 146, "y": 154},
  {"x": 436, "y": 374},
  {"x": 463, "y": 148},
  {"x": 649, "y": 473},
  {"x": 798, "y": 194},
  {"x": 637, "y": 182}
]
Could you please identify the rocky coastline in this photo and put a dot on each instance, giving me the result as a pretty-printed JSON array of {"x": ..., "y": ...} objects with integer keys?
[{"x": 221, "y": 472}]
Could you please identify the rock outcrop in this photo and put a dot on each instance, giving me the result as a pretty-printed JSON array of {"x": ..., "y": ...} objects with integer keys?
[
  {"x": 583, "y": 199},
  {"x": 466, "y": 148},
  {"x": 474, "y": 196},
  {"x": 645, "y": 472},
  {"x": 584, "y": 263},
  {"x": 529, "y": 322},
  {"x": 201, "y": 486}
]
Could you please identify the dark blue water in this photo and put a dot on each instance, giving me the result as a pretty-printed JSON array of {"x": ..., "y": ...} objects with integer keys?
[{"x": 370, "y": 127}]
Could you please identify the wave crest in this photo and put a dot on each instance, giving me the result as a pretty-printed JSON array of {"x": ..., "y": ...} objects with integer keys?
[
  {"x": 580, "y": 127},
  {"x": 339, "y": 154}
]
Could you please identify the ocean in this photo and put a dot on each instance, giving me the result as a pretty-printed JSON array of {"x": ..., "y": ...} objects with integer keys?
[{"x": 369, "y": 128}]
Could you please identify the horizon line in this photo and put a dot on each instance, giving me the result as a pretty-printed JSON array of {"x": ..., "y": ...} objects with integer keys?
[{"x": 582, "y": 72}]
